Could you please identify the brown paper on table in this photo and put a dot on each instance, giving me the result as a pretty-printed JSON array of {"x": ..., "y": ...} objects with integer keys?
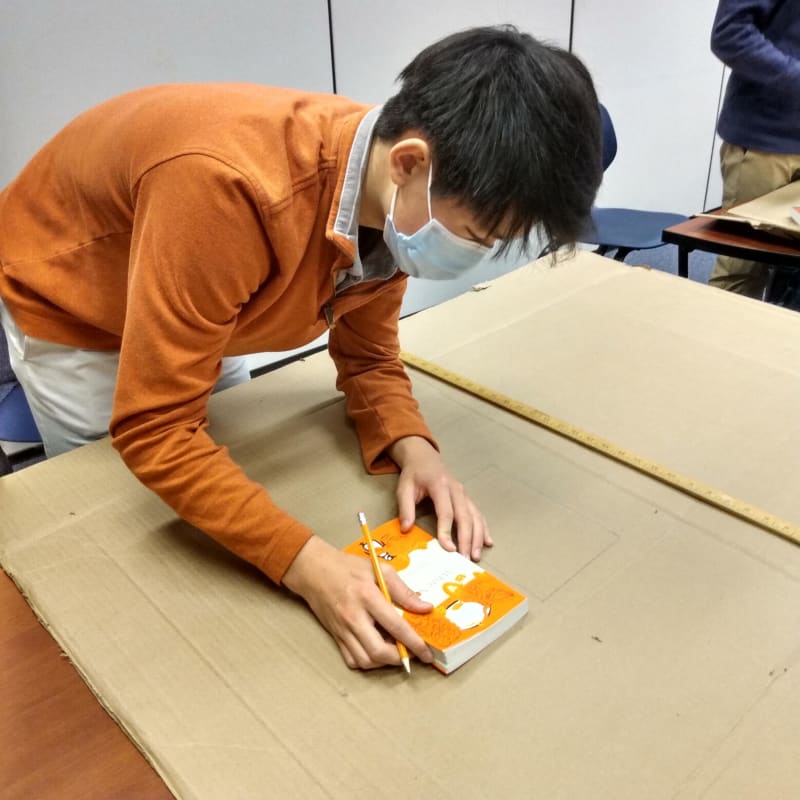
[
  {"x": 659, "y": 658},
  {"x": 771, "y": 212}
]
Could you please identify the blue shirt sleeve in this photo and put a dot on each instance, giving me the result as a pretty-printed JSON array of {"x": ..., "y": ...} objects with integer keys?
[{"x": 739, "y": 40}]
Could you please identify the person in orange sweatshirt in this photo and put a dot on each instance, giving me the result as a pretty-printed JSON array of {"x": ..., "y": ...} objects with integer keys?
[{"x": 166, "y": 233}]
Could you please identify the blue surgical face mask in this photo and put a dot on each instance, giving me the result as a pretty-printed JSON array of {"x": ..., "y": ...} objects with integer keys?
[{"x": 432, "y": 252}]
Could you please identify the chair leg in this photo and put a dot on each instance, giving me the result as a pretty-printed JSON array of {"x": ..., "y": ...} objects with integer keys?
[
  {"x": 622, "y": 253},
  {"x": 782, "y": 288},
  {"x": 5, "y": 464}
]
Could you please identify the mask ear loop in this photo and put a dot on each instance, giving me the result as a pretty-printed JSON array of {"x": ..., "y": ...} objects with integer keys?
[
  {"x": 396, "y": 188},
  {"x": 430, "y": 181}
]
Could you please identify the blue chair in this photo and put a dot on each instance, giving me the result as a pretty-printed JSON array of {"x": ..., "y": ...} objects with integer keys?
[
  {"x": 623, "y": 230},
  {"x": 16, "y": 420}
]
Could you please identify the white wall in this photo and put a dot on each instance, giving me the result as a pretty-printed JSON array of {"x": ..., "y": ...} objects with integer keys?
[
  {"x": 374, "y": 40},
  {"x": 57, "y": 59},
  {"x": 654, "y": 71},
  {"x": 714, "y": 193}
]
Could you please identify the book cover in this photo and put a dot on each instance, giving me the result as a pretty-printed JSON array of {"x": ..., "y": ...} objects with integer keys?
[{"x": 472, "y": 607}]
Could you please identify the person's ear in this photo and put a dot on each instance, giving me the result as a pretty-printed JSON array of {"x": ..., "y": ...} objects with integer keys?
[{"x": 409, "y": 158}]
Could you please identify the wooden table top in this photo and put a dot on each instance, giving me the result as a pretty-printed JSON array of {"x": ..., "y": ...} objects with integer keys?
[
  {"x": 714, "y": 235},
  {"x": 56, "y": 740}
]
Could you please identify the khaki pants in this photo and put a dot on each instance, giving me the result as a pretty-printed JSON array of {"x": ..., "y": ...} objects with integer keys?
[{"x": 747, "y": 174}]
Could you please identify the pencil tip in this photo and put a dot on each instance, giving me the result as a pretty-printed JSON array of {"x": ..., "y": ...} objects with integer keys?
[{"x": 407, "y": 665}]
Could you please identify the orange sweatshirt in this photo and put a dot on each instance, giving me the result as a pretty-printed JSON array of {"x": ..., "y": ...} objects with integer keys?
[{"x": 183, "y": 223}]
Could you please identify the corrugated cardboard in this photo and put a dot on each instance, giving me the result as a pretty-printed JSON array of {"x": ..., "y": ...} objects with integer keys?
[
  {"x": 659, "y": 658},
  {"x": 771, "y": 212}
]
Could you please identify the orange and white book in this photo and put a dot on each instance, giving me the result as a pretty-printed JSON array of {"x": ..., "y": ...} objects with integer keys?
[{"x": 472, "y": 607}]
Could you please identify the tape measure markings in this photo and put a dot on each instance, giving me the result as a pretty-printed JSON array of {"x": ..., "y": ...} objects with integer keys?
[{"x": 697, "y": 489}]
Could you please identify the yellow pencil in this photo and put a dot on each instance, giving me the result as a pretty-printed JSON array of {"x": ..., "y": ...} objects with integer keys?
[{"x": 362, "y": 519}]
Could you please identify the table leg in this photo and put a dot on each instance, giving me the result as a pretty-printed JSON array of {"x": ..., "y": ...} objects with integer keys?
[{"x": 683, "y": 261}]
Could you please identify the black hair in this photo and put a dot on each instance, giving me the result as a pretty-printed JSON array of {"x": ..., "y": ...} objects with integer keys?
[{"x": 514, "y": 129}]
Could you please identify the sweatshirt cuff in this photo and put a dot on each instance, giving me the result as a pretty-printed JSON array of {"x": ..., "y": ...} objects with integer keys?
[
  {"x": 277, "y": 557},
  {"x": 377, "y": 460}
]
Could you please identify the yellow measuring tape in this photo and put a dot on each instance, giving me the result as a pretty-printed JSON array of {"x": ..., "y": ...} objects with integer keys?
[{"x": 696, "y": 489}]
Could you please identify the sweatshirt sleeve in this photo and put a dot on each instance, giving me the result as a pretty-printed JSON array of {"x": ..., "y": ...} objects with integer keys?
[
  {"x": 364, "y": 346},
  {"x": 198, "y": 252},
  {"x": 739, "y": 41}
]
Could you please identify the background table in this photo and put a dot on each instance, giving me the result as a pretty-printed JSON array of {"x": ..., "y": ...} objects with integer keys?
[{"x": 730, "y": 239}]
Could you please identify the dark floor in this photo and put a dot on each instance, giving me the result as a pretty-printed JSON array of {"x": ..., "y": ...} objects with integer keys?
[{"x": 666, "y": 259}]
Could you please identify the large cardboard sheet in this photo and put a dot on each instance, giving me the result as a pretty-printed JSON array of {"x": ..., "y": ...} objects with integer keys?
[{"x": 660, "y": 655}]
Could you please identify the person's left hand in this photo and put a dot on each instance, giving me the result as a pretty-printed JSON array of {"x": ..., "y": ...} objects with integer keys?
[{"x": 423, "y": 474}]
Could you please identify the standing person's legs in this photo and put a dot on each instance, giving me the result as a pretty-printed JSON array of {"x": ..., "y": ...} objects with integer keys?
[
  {"x": 747, "y": 174},
  {"x": 71, "y": 391}
]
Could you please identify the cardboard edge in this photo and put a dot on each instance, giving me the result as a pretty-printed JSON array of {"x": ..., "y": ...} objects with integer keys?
[{"x": 30, "y": 600}]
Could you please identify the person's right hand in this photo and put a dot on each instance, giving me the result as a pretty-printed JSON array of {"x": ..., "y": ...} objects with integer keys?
[{"x": 342, "y": 592}]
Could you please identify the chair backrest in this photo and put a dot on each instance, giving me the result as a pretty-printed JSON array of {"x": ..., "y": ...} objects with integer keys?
[{"x": 609, "y": 137}]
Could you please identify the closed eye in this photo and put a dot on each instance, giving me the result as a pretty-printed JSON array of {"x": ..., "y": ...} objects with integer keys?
[{"x": 478, "y": 239}]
